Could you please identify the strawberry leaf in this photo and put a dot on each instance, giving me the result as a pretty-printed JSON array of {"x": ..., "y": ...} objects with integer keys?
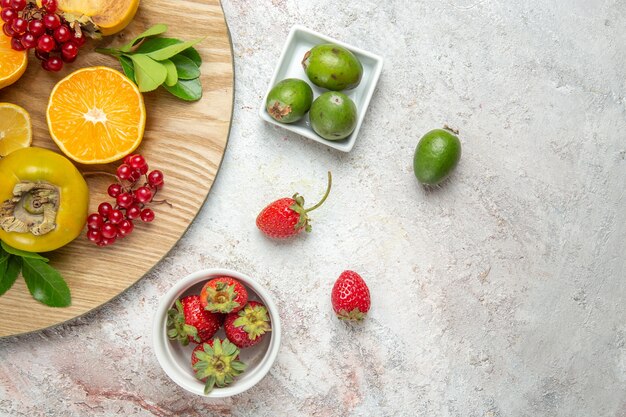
[
  {"x": 45, "y": 283},
  {"x": 153, "y": 31},
  {"x": 21, "y": 253}
]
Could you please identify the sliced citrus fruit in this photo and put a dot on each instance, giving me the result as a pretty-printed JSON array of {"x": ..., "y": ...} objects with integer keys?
[
  {"x": 15, "y": 128},
  {"x": 12, "y": 63},
  {"x": 110, "y": 16},
  {"x": 96, "y": 115}
]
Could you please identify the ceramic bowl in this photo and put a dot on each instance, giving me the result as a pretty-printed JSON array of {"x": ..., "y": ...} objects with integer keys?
[
  {"x": 299, "y": 41},
  {"x": 175, "y": 359}
]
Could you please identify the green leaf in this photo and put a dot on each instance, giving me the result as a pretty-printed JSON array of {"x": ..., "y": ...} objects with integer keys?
[
  {"x": 193, "y": 54},
  {"x": 172, "y": 75},
  {"x": 153, "y": 31},
  {"x": 149, "y": 73},
  {"x": 188, "y": 90},
  {"x": 21, "y": 253},
  {"x": 154, "y": 44},
  {"x": 127, "y": 67},
  {"x": 170, "y": 51},
  {"x": 185, "y": 67},
  {"x": 9, "y": 272},
  {"x": 45, "y": 283}
]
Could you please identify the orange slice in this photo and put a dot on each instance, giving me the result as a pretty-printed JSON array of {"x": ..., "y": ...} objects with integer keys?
[
  {"x": 15, "y": 128},
  {"x": 96, "y": 115},
  {"x": 12, "y": 63}
]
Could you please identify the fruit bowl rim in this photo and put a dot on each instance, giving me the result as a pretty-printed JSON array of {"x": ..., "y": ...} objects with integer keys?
[{"x": 162, "y": 345}]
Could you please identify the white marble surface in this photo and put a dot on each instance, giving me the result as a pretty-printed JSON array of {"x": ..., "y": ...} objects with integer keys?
[{"x": 500, "y": 294}]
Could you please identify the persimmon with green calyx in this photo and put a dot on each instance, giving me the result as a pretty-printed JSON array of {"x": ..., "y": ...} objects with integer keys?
[
  {"x": 289, "y": 100},
  {"x": 43, "y": 200},
  {"x": 437, "y": 154}
]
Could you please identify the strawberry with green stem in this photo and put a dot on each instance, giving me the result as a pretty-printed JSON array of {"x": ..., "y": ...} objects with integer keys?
[
  {"x": 217, "y": 363},
  {"x": 287, "y": 217},
  {"x": 350, "y": 297},
  {"x": 223, "y": 295},
  {"x": 190, "y": 322},
  {"x": 247, "y": 327}
]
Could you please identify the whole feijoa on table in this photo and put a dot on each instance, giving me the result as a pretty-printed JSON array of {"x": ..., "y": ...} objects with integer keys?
[
  {"x": 289, "y": 100},
  {"x": 437, "y": 154},
  {"x": 333, "y": 115},
  {"x": 332, "y": 67}
]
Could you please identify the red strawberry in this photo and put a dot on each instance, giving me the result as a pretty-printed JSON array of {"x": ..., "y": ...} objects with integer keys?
[
  {"x": 246, "y": 327},
  {"x": 287, "y": 217},
  {"x": 223, "y": 295},
  {"x": 217, "y": 363},
  {"x": 190, "y": 322},
  {"x": 350, "y": 296}
]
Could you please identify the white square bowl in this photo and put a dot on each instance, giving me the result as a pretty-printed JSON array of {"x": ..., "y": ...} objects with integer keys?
[{"x": 299, "y": 41}]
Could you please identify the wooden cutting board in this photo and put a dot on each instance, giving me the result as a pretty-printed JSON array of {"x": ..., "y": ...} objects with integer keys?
[{"x": 184, "y": 140}]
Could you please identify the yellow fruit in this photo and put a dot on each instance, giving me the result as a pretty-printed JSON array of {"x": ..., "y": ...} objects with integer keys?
[
  {"x": 111, "y": 16},
  {"x": 96, "y": 115},
  {"x": 12, "y": 63},
  {"x": 15, "y": 128}
]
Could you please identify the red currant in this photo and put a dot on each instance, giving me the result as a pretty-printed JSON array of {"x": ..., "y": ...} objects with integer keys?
[
  {"x": 19, "y": 25},
  {"x": 155, "y": 178},
  {"x": 127, "y": 158},
  {"x": 94, "y": 221},
  {"x": 51, "y": 21},
  {"x": 104, "y": 209},
  {"x": 134, "y": 176},
  {"x": 133, "y": 212},
  {"x": 62, "y": 34},
  {"x": 79, "y": 40},
  {"x": 69, "y": 51},
  {"x": 107, "y": 241},
  {"x": 124, "y": 172},
  {"x": 55, "y": 64},
  {"x": 43, "y": 56},
  {"x": 18, "y": 5},
  {"x": 7, "y": 15},
  {"x": 143, "y": 170},
  {"x": 125, "y": 200},
  {"x": 109, "y": 231},
  {"x": 137, "y": 161},
  {"x": 8, "y": 30},
  {"x": 147, "y": 215},
  {"x": 16, "y": 43},
  {"x": 125, "y": 227},
  {"x": 116, "y": 216},
  {"x": 29, "y": 40},
  {"x": 5, "y": 4},
  {"x": 94, "y": 235},
  {"x": 50, "y": 5},
  {"x": 36, "y": 27},
  {"x": 46, "y": 43},
  {"x": 114, "y": 190},
  {"x": 143, "y": 194}
]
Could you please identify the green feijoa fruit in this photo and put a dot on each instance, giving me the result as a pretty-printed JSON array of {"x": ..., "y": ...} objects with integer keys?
[
  {"x": 332, "y": 67},
  {"x": 333, "y": 115},
  {"x": 436, "y": 156},
  {"x": 289, "y": 100}
]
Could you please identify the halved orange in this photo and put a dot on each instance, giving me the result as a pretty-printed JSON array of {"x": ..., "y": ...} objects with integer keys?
[
  {"x": 15, "y": 128},
  {"x": 12, "y": 63},
  {"x": 96, "y": 115}
]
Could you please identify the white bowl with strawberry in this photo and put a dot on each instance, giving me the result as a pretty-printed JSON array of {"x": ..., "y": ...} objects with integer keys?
[{"x": 216, "y": 333}]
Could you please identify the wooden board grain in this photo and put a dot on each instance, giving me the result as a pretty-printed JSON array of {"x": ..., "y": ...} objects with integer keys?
[{"x": 185, "y": 140}]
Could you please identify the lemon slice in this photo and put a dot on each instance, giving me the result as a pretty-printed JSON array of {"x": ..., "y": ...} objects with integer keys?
[{"x": 15, "y": 128}]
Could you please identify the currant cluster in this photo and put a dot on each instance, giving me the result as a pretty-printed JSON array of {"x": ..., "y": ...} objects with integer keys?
[
  {"x": 30, "y": 27},
  {"x": 131, "y": 195}
]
